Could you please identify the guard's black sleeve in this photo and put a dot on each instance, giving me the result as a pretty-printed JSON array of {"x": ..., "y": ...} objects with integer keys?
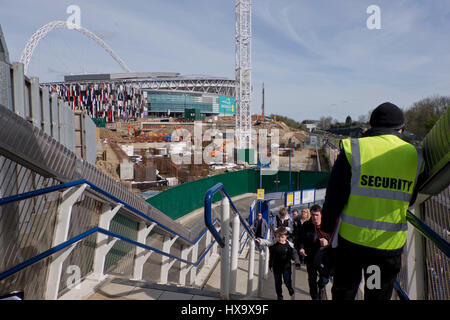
[
  {"x": 338, "y": 192},
  {"x": 420, "y": 180}
]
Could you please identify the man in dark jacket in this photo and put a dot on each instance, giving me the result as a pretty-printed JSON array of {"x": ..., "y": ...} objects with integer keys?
[
  {"x": 280, "y": 256},
  {"x": 312, "y": 238},
  {"x": 259, "y": 226},
  {"x": 387, "y": 123}
]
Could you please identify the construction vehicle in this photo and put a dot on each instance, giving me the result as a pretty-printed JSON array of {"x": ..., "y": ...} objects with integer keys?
[
  {"x": 217, "y": 152},
  {"x": 181, "y": 133},
  {"x": 136, "y": 132}
]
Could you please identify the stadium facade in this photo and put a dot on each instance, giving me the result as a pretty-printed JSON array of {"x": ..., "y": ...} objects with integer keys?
[{"x": 150, "y": 94}]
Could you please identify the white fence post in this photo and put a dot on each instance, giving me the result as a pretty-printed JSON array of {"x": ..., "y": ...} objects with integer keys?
[
  {"x": 194, "y": 257},
  {"x": 166, "y": 264},
  {"x": 141, "y": 255},
  {"x": 208, "y": 240},
  {"x": 184, "y": 267},
  {"x": 261, "y": 272},
  {"x": 251, "y": 267},
  {"x": 234, "y": 253},
  {"x": 102, "y": 246},
  {"x": 266, "y": 263},
  {"x": 266, "y": 255},
  {"x": 68, "y": 199},
  {"x": 225, "y": 251},
  {"x": 415, "y": 260}
]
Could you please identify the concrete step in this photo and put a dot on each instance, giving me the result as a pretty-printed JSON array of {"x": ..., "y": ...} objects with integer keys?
[
  {"x": 124, "y": 289},
  {"x": 299, "y": 281}
]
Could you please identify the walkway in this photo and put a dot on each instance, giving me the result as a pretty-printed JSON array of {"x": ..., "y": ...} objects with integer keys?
[{"x": 117, "y": 288}]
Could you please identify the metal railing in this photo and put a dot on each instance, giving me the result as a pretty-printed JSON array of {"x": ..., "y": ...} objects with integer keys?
[
  {"x": 69, "y": 244},
  {"x": 229, "y": 264},
  {"x": 429, "y": 234},
  {"x": 62, "y": 186},
  {"x": 86, "y": 234}
]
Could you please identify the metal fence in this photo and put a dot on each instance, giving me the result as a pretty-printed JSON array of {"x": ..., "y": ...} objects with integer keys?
[
  {"x": 436, "y": 215},
  {"x": 26, "y": 227}
]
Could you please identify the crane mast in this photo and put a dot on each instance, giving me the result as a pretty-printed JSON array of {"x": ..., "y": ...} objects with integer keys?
[{"x": 243, "y": 63}]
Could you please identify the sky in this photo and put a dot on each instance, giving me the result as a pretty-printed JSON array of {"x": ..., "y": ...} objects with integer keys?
[{"x": 317, "y": 58}]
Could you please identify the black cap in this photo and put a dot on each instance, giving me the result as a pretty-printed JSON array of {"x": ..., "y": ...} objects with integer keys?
[{"x": 387, "y": 115}]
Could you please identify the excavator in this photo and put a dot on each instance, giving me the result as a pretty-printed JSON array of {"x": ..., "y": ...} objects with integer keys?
[
  {"x": 180, "y": 134},
  {"x": 136, "y": 132},
  {"x": 216, "y": 152}
]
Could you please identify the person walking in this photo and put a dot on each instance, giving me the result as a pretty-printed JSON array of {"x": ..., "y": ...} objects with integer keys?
[
  {"x": 259, "y": 227},
  {"x": 280, "y": 255},
  {"x": 371, "y": 186},
  {"x": 298, "y": 222},
  {"x": 283, "y": 219},
  {"x": 312, "y": 238}
]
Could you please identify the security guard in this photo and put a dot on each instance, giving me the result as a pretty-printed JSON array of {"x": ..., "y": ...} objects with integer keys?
[{"x": 371, "y": 186}]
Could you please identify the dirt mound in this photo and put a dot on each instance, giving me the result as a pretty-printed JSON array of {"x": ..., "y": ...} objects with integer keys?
[
  {"x": 109, "y": 134},
  {"x": 108, "y": 169}
]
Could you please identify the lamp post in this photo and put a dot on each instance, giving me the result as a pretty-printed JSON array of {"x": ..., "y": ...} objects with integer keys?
[
  {"x": 289, "y": 186},
  {"x": 290, "y": 150},
  {"x": 260, "y": 165}
]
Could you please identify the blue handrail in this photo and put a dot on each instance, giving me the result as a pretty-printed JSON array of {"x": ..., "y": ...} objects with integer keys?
[
  {"x": 401, "y": 293},
  {"x": 431, "y": 235},
  {"x": 208, "y": 201},
  {"x": 46, "y": 190},
  {"x": 87, "y": 233}
]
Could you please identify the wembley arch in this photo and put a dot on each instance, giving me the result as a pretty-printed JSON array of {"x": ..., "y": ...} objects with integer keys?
[{"x": 33, "y": 42}]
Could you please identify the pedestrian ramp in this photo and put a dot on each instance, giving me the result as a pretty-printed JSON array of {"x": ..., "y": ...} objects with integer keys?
[
  {"x": 299, "y": 281},
  {"x": 120, "y": 288}
]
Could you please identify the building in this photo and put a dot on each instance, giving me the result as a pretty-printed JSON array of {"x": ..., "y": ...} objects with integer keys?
[
  {"x": 175, "y": 104},
  {"x": 310, "y": 126},
  {"x": 118, "y": 96}
]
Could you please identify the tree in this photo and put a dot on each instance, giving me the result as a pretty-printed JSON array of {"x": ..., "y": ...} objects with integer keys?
[
  {"x": 289, "y": 122},
  {"x": 348, "y": 121},
  {"x": 422, "y": 115},
  {"x": 363, "y": 119},
  {"x": 325, "y": 123}
]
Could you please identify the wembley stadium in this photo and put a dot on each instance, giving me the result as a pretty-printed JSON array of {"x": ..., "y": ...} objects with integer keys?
[{"x": 117, "y": 96}]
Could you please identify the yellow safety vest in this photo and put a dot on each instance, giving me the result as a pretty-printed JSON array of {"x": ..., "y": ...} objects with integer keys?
[{"x": 384, "y": 172}]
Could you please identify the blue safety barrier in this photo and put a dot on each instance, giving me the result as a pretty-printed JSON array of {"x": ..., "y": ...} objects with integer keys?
[
  {"x": 87, "y": 233},
  {"x": 208, "y": 203},
  {"x": 431, "y": 235},
  {"x": 45, "y": 254},
  {"x": 62, "y": 186}
]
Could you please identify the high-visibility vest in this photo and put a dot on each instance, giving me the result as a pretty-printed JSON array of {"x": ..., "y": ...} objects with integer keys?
[{"x": 384, "y": 172}]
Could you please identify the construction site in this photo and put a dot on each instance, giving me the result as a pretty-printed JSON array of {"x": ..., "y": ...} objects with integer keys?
[{"x": 139, "y": 153}]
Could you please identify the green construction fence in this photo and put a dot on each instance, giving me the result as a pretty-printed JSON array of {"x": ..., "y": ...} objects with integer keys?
[{"x": 185, "y": 198}]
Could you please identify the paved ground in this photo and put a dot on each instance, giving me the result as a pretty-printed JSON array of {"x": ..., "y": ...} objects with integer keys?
[
  {"x": 300, "y": 160},
  {"x": 124, "y": 289},
  {"x": 300, "y": 281}
]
